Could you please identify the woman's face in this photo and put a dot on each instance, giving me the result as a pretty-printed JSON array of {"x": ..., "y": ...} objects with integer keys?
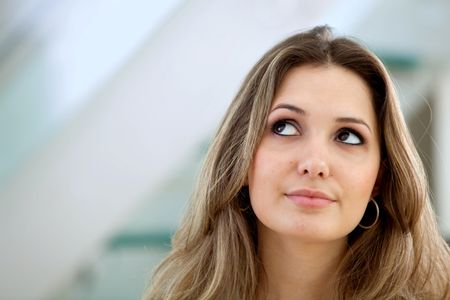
[{"x": 315, "y": 168}]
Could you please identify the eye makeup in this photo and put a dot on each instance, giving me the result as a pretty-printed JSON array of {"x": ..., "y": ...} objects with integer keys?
[
  {"x": 349, "y": 136},
  {"x": 285, "y": 128},
  {"x": 283, "y": 121}
]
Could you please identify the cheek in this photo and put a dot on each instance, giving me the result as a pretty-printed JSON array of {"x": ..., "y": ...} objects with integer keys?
[
  {"x": 365, "y": 180},
  {"x": 263, "y": 166},
  {"x": 263, "y": 177},
  {"x": 356, "y": 181},
  {"x": 357, "y": 185},
  {"x": 357, "y": 172}
]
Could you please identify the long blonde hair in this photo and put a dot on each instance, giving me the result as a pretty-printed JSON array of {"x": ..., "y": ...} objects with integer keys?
[{"x": 214, "y": 254}]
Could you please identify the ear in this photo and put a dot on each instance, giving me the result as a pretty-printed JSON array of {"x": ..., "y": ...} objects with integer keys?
[{"x": 377, "y": 186}]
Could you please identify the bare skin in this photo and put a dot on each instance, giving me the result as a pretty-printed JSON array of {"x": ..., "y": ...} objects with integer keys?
[
  {"x": 311, "y": 179},
  {"x": 296, "y": 270}
]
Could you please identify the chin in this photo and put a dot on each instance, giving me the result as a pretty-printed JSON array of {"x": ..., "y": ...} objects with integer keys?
[{"x": 314, "y": 233}]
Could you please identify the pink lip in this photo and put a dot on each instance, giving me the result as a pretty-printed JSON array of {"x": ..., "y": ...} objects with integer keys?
[{"x": 310, "y": 198}]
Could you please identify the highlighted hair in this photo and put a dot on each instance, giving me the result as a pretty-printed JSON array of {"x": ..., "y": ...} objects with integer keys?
[{"x": 214, "y": 254}]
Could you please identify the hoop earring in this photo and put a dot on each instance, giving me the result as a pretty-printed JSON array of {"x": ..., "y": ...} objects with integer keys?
[{"x": 376, "y": 218}]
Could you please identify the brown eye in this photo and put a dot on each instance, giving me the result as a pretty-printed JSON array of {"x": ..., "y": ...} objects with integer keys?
[
  {"x": 284, "y": 128},
  {"x": 350, "y": 137}
]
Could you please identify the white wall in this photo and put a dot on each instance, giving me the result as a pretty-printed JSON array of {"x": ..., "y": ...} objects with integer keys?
[
  {"x": 65, "y": 200},
  {"x": 75, "y": 191},
  {"x": 441, "y": 162}
]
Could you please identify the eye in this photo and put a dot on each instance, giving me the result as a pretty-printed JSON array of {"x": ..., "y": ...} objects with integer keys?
[
  {"x": 284, "y": 128},
  {"x": 349, "y": 136}
]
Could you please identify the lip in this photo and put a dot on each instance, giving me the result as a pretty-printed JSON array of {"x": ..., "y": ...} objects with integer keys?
[{"x": 310, "y": 198}]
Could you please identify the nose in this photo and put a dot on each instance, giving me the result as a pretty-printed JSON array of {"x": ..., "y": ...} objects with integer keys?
[
  {"x": 314, "y": 168},
  {"x": 314, "y": 164}
]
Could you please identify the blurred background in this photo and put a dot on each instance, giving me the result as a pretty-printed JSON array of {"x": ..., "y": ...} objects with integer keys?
[{"x": 107, "y": 108}]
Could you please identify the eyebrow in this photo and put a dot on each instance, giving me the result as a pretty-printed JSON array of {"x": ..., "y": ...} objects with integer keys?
[
  {"x": 290, "y": 107},
  {"x": 340, "y": 119},
  {"x": 353, "y": 120}
]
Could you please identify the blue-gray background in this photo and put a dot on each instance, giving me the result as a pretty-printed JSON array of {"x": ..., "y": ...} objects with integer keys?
[{"x": 107, "y": 107}]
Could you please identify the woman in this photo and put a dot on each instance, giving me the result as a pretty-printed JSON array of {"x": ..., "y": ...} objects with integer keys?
[{"x": 311, "y": 189}]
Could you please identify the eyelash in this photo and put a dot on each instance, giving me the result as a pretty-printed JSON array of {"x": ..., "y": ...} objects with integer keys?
[
  {"x": 352, "y": 131},
  {"x": 285, "y": 122},
  {"x": 293, "y": 123}
]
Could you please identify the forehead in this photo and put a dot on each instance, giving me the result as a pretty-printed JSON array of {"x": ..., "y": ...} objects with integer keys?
[{"x": 326, "y": 88}]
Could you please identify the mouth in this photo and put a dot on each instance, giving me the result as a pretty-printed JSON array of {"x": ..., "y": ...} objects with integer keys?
[{"x": 310, "y": 198}]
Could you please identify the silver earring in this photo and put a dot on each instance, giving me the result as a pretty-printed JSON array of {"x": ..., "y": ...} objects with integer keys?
[{"x": 376, "y": 218}]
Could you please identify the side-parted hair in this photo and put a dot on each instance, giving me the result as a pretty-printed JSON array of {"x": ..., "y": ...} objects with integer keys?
[{"x": 214, "y": 254}]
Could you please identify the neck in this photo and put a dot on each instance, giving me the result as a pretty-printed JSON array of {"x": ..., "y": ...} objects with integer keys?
[{"x": 295, "y": 269}]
